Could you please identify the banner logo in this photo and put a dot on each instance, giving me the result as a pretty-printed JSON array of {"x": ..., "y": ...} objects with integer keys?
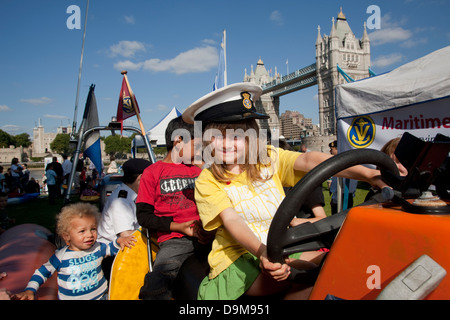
[
  {"x": 127, "y": 106},
  {"x": 361, "y": 133}
]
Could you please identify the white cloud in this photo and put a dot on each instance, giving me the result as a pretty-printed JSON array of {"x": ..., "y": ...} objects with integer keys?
[
  {"x": 276, "y": 17},
  {"x": 127, "y": 65},
  {"x": 196, "y": 60},
  {"x": 126, "y": 49},
  {"x": 4, "y": 108},
  {"x": 129, "y": 19},
  {"x": 162, "y": 107},
  {"x": 387, "y": 60},
  {"x": 37, "y": 101},
  {"x": 54, "y": 116},
  {"x": 388, "y": 22},
  {"x": 389, "y": 35},
  {"x": 209, "y": 42},
  {"x": 159, "y": 107},
  {"x": 191, "y": 61},
  {"x": 11, "y": 129},
  {"x": 412, "y": 43},
  {"x": 393, "y": 32}
]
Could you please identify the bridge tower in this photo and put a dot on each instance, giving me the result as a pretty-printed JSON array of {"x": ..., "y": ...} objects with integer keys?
[
  {"x": 266, "y": 103},
  {"x": 341, "y": 48}
]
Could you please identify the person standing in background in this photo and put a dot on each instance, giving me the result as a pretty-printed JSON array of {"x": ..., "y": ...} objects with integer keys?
[
  {"x": 333, "y": 186},
  {"x": 67, "y": 168},
  {"x": 57, "y": 168},
  {"x": 51, "y": 176},
  {"x": 16, "y": 173}
]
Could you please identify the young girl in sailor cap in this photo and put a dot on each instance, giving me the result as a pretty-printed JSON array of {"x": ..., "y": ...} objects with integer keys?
[{"x": 240, "y": 192}]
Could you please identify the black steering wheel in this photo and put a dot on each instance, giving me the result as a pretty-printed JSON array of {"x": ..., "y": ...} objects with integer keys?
[{"x": 283, "y": 240}]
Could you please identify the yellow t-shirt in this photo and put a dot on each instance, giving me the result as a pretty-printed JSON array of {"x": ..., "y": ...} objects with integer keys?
[{"x": 257, "y": 205}]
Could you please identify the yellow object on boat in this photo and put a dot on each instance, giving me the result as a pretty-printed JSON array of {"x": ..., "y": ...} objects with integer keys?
[
  {"x": 89, "y": 198},
  {"x": 129, "y": 269}
]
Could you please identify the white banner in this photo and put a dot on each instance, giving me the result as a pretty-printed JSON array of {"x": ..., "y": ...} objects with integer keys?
[
  {"x": 373, "y": 130},
  {"x": 413, "y": 98}
]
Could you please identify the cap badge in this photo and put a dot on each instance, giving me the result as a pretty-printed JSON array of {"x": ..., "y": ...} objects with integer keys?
[{"x": 246, "y": 100}]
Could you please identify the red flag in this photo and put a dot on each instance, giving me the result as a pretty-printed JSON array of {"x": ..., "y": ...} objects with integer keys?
[{"x": 128, "y": 106}]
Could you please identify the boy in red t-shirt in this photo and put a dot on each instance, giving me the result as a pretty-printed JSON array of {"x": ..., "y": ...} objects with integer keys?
[{"x": 165, "y": 204}]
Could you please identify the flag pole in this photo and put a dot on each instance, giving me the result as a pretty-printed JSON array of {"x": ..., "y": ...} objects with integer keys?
[
  {"x": 225, "y": 80},
  {"x": 151, "y": 155},
  {"x": 74, "y": 125},
  {"x": 124, "y": 72},
  {"x": 77, "y": 152},
  {"x": 141, "y": 125}
]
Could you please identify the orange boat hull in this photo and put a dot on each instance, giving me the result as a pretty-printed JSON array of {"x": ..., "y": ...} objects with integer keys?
[{"x": 375, "y": 245}]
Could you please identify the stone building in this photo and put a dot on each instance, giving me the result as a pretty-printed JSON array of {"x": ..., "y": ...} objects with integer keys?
[
  {"x": 340, "y": 48},
  {"x": 294, "y": 126},
  {"x": 42, "y": 140},
  {"x": 265, "y": 104},
  {"x": 7, "y": 154}
]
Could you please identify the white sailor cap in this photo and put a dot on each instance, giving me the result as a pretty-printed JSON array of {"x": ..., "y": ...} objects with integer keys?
[{"x": 228, "y": 104}]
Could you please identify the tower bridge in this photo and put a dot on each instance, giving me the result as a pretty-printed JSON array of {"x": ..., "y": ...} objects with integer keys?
[
  {"x": 298, "y": 80},
  {"x": 339, "y": 56}
]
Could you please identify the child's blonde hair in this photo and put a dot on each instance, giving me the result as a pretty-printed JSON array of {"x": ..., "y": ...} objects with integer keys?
[
  {"x": 253, "y": 169},
  {"x": 76, "y": 210}
]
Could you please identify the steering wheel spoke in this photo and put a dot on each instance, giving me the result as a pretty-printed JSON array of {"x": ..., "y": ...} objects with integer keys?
[{"x": 310, "y": 246}]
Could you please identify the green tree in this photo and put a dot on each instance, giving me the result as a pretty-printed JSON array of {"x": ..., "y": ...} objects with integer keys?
[
  {"x": 116, "y": 145},
  {"x": 61, "y": 144},
  {"x": 23, "y": 140},
  {"x": 6, "y": 139}
]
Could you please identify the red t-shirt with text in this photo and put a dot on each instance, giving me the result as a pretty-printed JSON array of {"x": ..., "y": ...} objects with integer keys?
[{"x": 169, "y": 188}]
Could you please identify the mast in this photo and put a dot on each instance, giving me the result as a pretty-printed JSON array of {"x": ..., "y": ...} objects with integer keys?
[
  {"x": 225, "y": 80},
  {"x": 74, "y": 125}
]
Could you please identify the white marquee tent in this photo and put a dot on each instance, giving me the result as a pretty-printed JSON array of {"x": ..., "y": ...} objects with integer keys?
[
  {"x": 156, "y": 135},
  {"x": 413, "y": 98}
]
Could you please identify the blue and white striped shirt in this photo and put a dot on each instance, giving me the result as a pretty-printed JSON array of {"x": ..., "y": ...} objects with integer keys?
[{"x": 80, "y": 274}]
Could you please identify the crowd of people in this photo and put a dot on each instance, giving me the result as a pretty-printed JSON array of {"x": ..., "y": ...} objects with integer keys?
[
  {"x": 16, "y": 180},
  {"x": 225, "y": 203}
]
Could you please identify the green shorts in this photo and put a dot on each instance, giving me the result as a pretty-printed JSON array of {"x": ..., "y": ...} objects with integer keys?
[
  {"x": 231, "y": 283},
  {"x": 234, "y": 281}
]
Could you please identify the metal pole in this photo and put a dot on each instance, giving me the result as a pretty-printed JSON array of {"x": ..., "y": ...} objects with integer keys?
[
  {"x": 74, "y": 125},
  {"x": 225, "y": 76},
  {"x": 76, "y": 156},
  {"x": 339, "y": 194}
]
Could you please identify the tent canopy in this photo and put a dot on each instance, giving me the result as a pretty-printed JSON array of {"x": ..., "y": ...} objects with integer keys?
[
  {"x": 157, "y": 133},
  {"x": 414, "y": 97},
  {"x": 425, "y": 79}
]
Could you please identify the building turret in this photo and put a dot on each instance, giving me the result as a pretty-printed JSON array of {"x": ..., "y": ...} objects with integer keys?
[
  {"x": 366, "y": 46},
  {"x": 341, "y": 48},
  {"x": 266, "y": 103},
  {"x": 319, "y": 49}
]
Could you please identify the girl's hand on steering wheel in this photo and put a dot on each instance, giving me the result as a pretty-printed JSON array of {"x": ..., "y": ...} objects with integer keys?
[{"x": 277, "y": 271}]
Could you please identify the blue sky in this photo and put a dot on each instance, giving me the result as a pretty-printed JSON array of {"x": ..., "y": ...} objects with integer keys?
[{"x": 170, "y": 49}]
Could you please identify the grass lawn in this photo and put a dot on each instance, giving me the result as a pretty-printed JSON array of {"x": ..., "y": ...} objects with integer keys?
[
  {"x": 360, "y": 195},
  {"x": 38, "y": 210}
]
